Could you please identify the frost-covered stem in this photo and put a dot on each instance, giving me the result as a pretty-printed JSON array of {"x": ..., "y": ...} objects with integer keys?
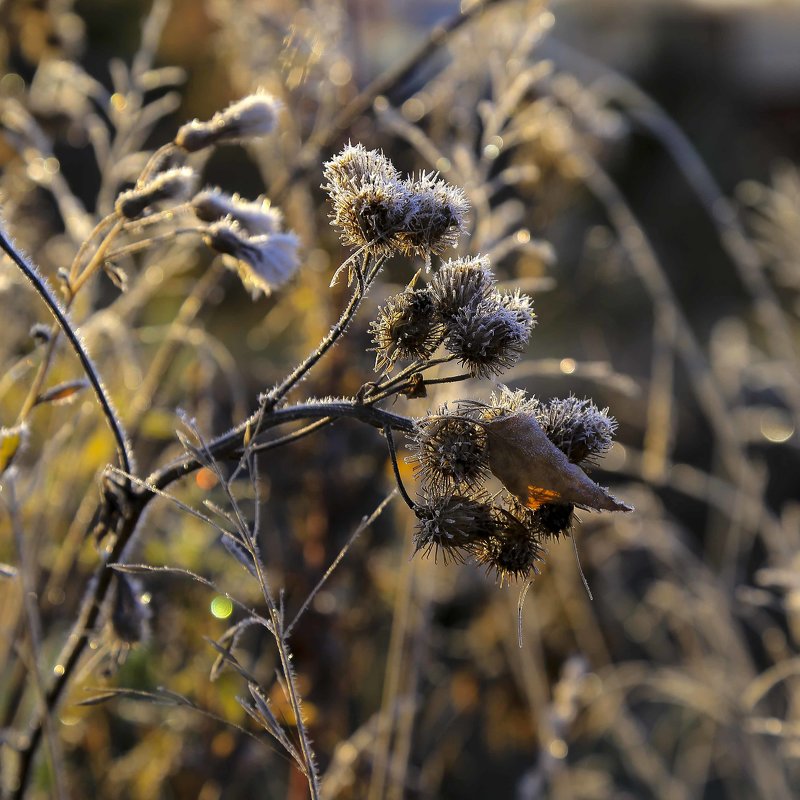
[
  {"x": 32, "y": 274},
  {"x": 79, "y": 256},
  {"x": 299, "y": 372},
  {"x": 96, "y": 260},
  {"x": 136, "y": 247},
  {"x": 294, "y": 700},
  {"x": 276, "y": 619},
  {"x": 44, "y": 366},
  {"x": 230, "y": 445},
  {"x": 397, "y": 384},
  {"x": 34, "y": 624},
  {"x": 365, "y": 523},
  {"x": 78, "y": 639},
  {"x": 155, "y": 160}
]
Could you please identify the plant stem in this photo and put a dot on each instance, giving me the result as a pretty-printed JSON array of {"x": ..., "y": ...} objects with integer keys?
[
  {"x": 298, "y": 373},
  {"x": 387, "y": 430},
  {"x": 229, "y": 446},
  {"x": 126, "y": 458}
]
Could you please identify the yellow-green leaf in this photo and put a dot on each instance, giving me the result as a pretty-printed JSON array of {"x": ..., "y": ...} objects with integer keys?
[{"x": 11, "y": 440}]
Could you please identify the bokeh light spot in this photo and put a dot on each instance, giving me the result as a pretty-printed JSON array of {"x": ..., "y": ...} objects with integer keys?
[
  {"x": 775, "y": 425},
  {"x": 221, "y": 607}
]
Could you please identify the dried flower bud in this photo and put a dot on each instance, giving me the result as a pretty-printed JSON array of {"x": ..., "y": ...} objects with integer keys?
[
  {"x": 172, "y": 184},
  {"x": 435, "y": 217},
  {"x": 370, "y": 203},
  {"x": 249, "y": 118},
  {"x": 130, "y": 616},
  {"x": 406, "y": 328},
  {"x": 513, "y": 551},
  {"x": 461, "y": 283},
  {"x": 453, "y": 525},
  {"x": 449, "y": 451},
  {"x": 376, "y": 210},
  {"x": 256, "y": 217},
  {"x": 262, "y": 262},
  {"x": 486, "y": 338},
  {"x": 578, "y": 428}
]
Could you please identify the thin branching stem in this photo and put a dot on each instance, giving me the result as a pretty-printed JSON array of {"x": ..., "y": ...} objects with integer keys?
[
  {"x": 32, "y": 274},
  {"x": 137, "y": 247},
  {"x": 306, "y": 430},
  {"x": 27, "y": 576},
  {"x": 387, "y": 430},
  {"x": 399, "y": 389},
  {"x": 405, "y": 373},
  {"x": 228, "y": 446},
  {"x": 301, "y": 370}
]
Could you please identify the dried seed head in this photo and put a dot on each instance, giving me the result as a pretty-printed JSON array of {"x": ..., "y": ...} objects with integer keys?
[
  {"x": 172, "y": 184},
  {"x": 262, "y": 262},
  {"x": 451, "y": 525},
  {"x": 578, "y": 428},
  {"x": 513, "y": 551},
  {"x": 461, "y": 283},
  {"x": 406, "y": 328},
  {"x": 522, "y": 305},
  {"x": 553, "y": 520},
  {"x": 486, "y": 338},
  {"x": 374, "y": 209},
  {"x": 449, "y": 452},
  {"x": 256, "y": 217},
  {"x": 356, "y": 165},
  {"x": 508, "y": 401},
  {"x": 251, "y": 117},
  {"x": 370, "y": 213},
  {"x": 435, "y": 219}
]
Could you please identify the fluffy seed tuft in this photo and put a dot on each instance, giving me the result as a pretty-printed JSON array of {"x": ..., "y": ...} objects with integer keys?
[
  {"x": 251, "y": 117},
  {"x": 171, "y": 184},
  {"x": 257, "y": 217},
  {"x": 262, "y": 262}
]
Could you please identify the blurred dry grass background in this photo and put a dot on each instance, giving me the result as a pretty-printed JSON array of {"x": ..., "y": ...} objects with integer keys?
[{"x": 673, "y": 304}]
